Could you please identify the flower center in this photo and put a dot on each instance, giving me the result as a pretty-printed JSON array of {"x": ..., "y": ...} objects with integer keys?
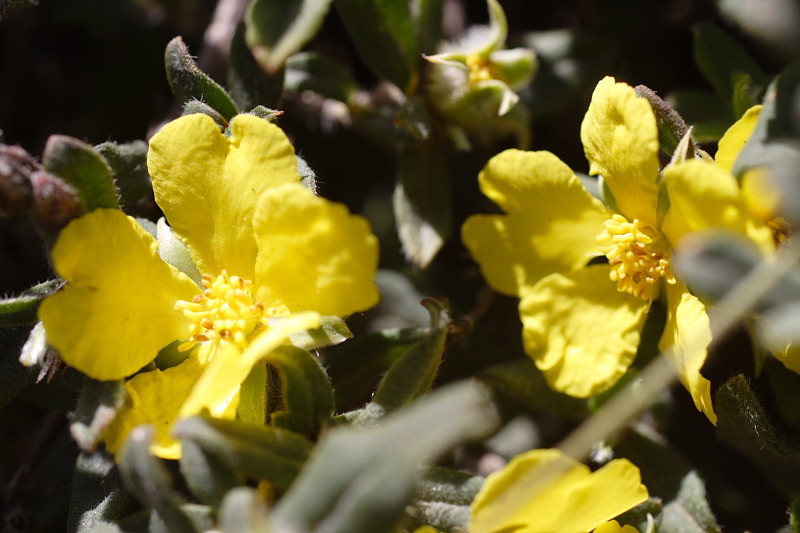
[
  {"x": 636, "y": 262},
  {"x": 481, "y": 69},
  {"x": 224, "y": 311}
]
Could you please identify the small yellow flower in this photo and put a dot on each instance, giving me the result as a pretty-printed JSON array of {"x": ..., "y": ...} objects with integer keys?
[
  {"x": 273, "y": 258},
  {"x": 545, "y": 491},
  {"x": 582, "y": 324}
]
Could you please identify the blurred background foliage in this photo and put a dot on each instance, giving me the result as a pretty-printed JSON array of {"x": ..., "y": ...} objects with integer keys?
[{"x": 94, "y": 70}]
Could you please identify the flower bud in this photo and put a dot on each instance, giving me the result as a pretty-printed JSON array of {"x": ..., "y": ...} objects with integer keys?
[
  {"x": 54, "y": 202},
  {"x": 16, "y": 166}
]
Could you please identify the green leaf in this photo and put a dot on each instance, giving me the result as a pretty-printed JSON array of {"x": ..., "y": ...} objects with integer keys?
[
  {"x": 359, "y": 480},
  {"x": 98, "y": 495},
  {"x": 146, "y": 476},
  {"x": 248, "y": 84},
  {"x": 689, "y": 512},
  {"x": 383, "y": 33},
  {"x": 744, "y": 425},
  {"x": 794, "y": 516},
  {"x": 21, "y": 309},
  {"x": 415, "y": 117},
  {"x": 98, "y": 403},
  {"x": 252, "y": 450},
  {"x": 192, "y": 107},
  {"x": 188, "y": 82},
  {"x": 83, "y": 168},
  {"x": 277, "y": 29},
  {"x": 671, "y": 126},
  {"x": 422, "y": 201},
  {"x": 333, "y": 331},
  {"x": 306, "y": 391},
  {"x": 128, "y": 162},
  {"x": 722, "y": 60},
  {"x": 310, "y": 71},
  {"x": 357, "y": 365},
  {"x": 412, "y": 375},
  {"x": 521, "y": 381}
]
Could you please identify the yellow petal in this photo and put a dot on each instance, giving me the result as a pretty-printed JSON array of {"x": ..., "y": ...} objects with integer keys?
[
  {"x": 313, "y": 255},
  {"x": 689, "y": 333},
  {"x": 208, "y": 185},
  {"x": 155, "y": 398},
  {"x": 703, "y": 196},
  {"x": 117, "y": 309},
  {"x": 581, "y": 332},
  {"x": 761, "y": 196},
  {"x": 736, "y": 137},
  {"x": 545, "y": 491},
  {"x": 551, "y": 225},
  {"x": 620, "y": 138},
  {"x": 229, "y": 365}
]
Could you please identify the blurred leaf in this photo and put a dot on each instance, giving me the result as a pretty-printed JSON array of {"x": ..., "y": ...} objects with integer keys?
[
  {"x": 16, "y": 377},
  {"x": 243, "y": 511},
  {"x": 521, "y": 381},
  {"x": 208, "y": 475},
  {"x": 570, "y": 63},
  {"x": 722, "y": 60},
  {"x": 412, "y": 375},
  {"x": 277, "y": 29},
  {"x": 770, "y": 22},
  {"x": 746, "y": 94},
  {"x": 98, "y": 495},
  {"x": 383, "y": 33},
  {"x": 357, "y": 365},
  {"x": 310, "y": 71},
  {"x": 704, "y": 111},
  {"x": 333, "y": 331},
  {"x": 306, "y": 391},
  {"x": 369, "y": 473},
  {"x": 744, "y": 425},
  {"x": 248, "y": 84},
  {"x": 80, "y": 166},
  {"x": 414, "y": 117},
  {"x": 663, "y": 469},
  {"x": 188, "y": 82},
  {"x": 422, "y": 201},
  {"x": 98, "y": 403},
  {"x": 9, "y": 8},
  {"x": 690, "y": 511},
  {"x": 200, "y": 516},
  {"x": 21, "y": 310},
  {"x": 784, "y": 384},
  {"x": 794, "y": 516},
  {"x": 254, "y": 451},
  {"x": 428, "y": 15},
  {"x": 443, "y": 497},
  {"x": 146, "y": 476},
  {"x": 713, "y": 263}
]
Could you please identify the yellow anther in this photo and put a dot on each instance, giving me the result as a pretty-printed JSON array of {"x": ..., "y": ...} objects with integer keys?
[
  {"x": 225, "y": 311},
  {"x": 637, "y": 262}
]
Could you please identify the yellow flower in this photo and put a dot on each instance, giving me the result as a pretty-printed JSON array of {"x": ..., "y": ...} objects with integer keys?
[
  {"x": 545, "y": 491},
  {"x": 273, "y": 258},
  {"x": 582, "y": 321}
]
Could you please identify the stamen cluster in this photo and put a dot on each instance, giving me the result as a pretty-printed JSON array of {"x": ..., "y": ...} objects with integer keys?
[
  {"x": 224, "y": 311},
  {"x": 635, "y": 265}
]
